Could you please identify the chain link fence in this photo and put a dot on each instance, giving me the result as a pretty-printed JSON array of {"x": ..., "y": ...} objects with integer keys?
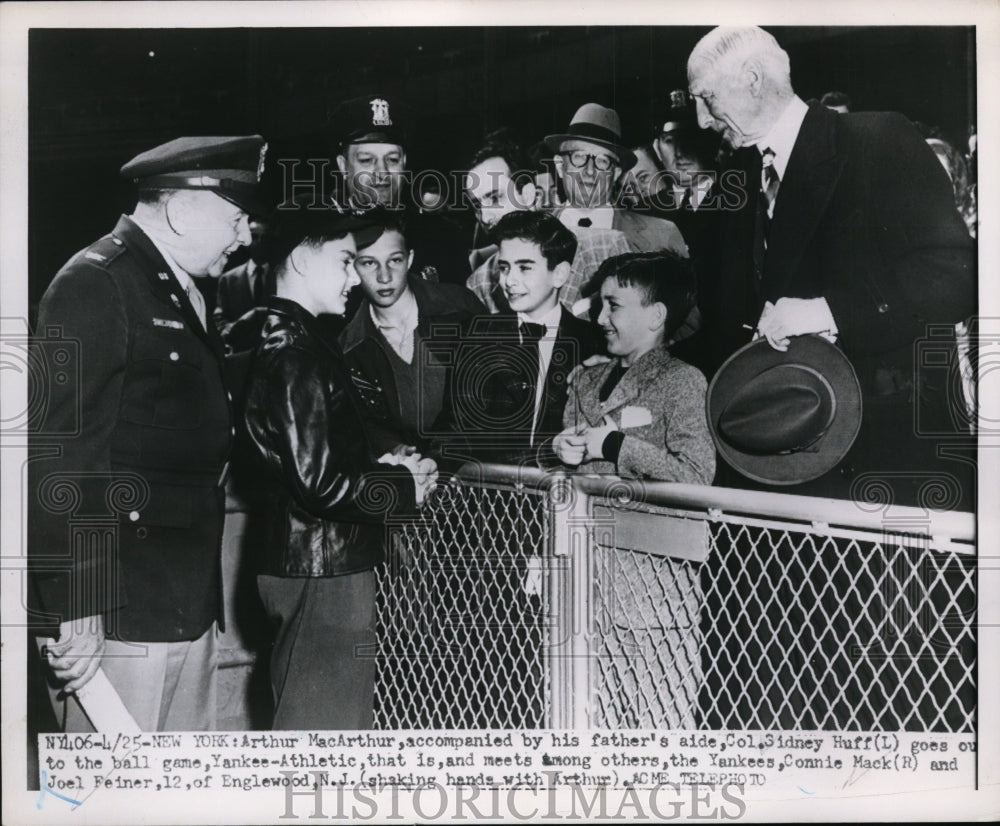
[
  {"x": 460, "y": 609},
  {"x": 520, "y": 601}
]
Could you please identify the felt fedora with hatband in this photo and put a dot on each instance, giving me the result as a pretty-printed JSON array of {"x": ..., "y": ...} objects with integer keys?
[
  {"x": 784, "y": 418},
  {"x": 599, "y": 125}
]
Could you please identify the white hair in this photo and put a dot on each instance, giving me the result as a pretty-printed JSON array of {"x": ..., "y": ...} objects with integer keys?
[{"x": 725, "y": 44}]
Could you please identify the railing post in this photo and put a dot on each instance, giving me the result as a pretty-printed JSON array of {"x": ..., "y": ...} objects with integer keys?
[{"x": 568, "y": 651}]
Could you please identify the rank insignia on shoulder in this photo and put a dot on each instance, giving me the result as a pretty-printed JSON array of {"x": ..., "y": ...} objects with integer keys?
[
  {"x": 163, "y": 276},
  {"x": 94, "y": 256},
  {"x": 168, "y": 322}
]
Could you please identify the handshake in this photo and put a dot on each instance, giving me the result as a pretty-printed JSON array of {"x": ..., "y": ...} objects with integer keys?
[{"x": 424, "y": 469}]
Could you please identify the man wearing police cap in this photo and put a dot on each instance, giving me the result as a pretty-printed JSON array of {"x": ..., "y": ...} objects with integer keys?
[
  {"x": 141, "y": 435},
  {"x": 371, "y": 137}
]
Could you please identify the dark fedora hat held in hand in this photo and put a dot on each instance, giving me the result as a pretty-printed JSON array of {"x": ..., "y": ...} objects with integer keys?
[
  {"x": 596, "y": 124},
  {"x": 785, "y": 418}
]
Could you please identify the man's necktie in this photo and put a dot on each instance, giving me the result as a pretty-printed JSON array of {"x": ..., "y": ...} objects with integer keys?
[
  {"x": 686, "y": 200},
  {"x": 769, "y": 180},
  {"x": 584, "y": 222},
  {"x": 197, "y": 301}
]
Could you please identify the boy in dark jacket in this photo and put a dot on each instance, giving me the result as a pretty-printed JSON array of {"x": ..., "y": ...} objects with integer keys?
[
  {"x": 398, "y": 343},
  {"x": 508, "y": 389},
  {"x": 333, "y": 496}
]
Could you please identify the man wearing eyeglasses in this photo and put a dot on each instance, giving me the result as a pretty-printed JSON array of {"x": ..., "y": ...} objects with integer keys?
[
  {"x": 590, "y": 157},
  {"x": 398, "y": 372}
]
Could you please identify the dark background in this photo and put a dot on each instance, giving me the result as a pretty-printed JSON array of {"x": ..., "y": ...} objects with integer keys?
[{"x": 98, "y": 97}]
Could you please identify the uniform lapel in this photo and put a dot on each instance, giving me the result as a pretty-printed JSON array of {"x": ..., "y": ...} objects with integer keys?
[
  {"x": 809, "y": 182},
  {"x": 163, "y": 285}
]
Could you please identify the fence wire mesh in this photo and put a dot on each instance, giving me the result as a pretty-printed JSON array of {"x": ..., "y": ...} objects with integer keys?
[
  {"x": 780, "y": 627},
  {"x": 460, "y": 615},
  {"x": 784, "y": 629}
]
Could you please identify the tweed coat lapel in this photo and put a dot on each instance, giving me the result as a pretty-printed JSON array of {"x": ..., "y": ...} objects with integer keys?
[{"x": 626, "y": 392}]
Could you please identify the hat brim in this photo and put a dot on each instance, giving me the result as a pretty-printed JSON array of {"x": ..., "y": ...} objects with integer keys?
[
  {"x": 250, "y": 201},
  {"x": 392, "y": 136},
  {"x": 671, "y": 126},
  {"x": 821, "y": 456},
  {"x": 626, "y": 157}
]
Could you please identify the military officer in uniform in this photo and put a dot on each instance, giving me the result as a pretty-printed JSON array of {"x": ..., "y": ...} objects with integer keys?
[{"x": 126, "y": 518}]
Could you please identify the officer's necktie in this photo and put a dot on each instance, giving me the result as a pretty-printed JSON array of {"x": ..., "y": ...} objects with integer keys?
[{"x": 197, "y": 301}]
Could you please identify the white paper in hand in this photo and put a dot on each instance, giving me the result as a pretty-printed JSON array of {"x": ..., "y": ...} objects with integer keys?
[{"x": 103, "y": 707}]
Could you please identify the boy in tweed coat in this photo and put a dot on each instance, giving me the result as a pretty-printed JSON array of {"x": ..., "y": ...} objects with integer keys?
[{"x": 642, "y": 415}]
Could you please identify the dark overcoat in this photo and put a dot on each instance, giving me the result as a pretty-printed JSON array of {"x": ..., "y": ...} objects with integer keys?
[{"x": 865, "y": 219}]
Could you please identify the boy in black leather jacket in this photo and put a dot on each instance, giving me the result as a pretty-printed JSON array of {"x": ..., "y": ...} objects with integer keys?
[{"x": 325, "y": 529}]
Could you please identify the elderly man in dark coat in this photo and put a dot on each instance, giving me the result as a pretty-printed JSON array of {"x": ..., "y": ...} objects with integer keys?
[{"x": 848, "y": 231}]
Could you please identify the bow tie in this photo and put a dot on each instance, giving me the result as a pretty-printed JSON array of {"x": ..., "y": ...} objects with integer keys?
[{"x": 531, "y": 333}]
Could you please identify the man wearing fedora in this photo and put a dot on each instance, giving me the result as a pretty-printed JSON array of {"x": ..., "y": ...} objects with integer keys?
[
  {"x": 589, "y": 158},
  {"x": 499, "y": 182},
  {"x": 371, "y": 139},
  {"x": 126, "y": 517},
  {"x": 847, "y": 231}
]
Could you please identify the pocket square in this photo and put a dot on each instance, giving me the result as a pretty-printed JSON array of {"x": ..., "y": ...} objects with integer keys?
[{"x": 635, "y": 417}]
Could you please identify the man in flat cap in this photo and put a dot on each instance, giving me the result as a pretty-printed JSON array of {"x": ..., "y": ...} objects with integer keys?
[
  {"x": 127, "y": 513},
  {"x": 371, "y": 155}
]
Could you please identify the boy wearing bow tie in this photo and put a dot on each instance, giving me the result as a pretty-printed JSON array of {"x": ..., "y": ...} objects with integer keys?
[{"x": 508, "y": 388}]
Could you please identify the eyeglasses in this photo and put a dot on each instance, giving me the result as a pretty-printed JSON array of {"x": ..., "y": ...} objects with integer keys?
[
  {"x": 370, "y": 266},
  {"x": 579, "y": 158}
]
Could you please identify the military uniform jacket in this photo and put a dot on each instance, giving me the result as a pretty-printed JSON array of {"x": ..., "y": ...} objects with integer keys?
[{"x": 131, "y": 444}]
